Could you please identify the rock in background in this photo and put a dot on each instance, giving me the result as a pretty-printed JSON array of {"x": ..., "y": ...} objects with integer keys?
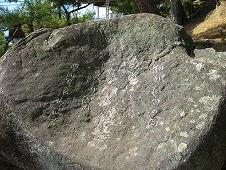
[{"x": 123, "y": 93}]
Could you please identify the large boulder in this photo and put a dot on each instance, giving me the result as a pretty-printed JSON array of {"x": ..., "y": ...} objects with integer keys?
[{"x": 124, "y": 93}]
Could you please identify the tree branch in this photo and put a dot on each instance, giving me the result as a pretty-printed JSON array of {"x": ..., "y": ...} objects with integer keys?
[
  {"x": 81, "y": 7},
  {"x": 64, "y": 8}
]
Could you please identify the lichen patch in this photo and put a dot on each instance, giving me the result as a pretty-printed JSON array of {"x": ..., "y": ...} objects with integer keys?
[
  {"x": 182, "y": 147},
  {"x": 184, "y": 134},
  {"x": 200, "y": 125},
  {"x": 199, "y": 67},
  {"x": 213, "y": 75},
  {"x": 210, "y": 102}
]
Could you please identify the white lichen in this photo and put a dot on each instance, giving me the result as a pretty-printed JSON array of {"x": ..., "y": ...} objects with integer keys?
[
  {"x": 184, "y": 134},
  {"x": 199, "y": 67},
  {"x": 210, "y": 102},
  {"x": 213, "y": 75},
  {"x": 182, "y": 114},
  {"x": 200, "y": 125},
  {"x": 106, "y": 95},
  {"x": 103, "y": 147},
  {"x": 203, "y": 116},
  {"x": 132, "y": 80},
  {"x": 167, "y": 129},
  {"x": 182, "y": 147},
  {"x": 161, "y": 123},
  {"x": 192, "y": 121},
  {"x": 133, "y": 152}
]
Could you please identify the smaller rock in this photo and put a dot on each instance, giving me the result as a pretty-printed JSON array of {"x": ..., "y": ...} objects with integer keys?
[{"x": 210, "y": 55}]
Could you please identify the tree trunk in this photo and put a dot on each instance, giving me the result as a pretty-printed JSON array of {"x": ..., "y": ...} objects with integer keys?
[
  {"x": 146, "y": 6},
  {"x": 68, "y": 16},
  {"x": 178, "y": 14},
  {"x": 30, "y": 27}
]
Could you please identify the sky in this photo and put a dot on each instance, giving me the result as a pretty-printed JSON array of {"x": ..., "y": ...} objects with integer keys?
[{"x": 9, "y": 5}]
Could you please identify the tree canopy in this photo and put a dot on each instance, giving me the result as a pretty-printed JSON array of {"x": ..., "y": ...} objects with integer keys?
[
  {"x": 35, "y": 14},
  {"x": 178, "y": 10},
  {"x": 126, "y": 7}
]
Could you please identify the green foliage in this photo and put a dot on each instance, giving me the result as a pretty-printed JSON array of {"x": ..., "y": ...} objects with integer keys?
[
  {"x": 188, "y": 6},
  {"x": 125, "y": 7},
  {"x": 56, "y": 22},
  {"x": 164, "y": 8},
  {"x": 39, "y": 14},
  {"x": 10, "y": 19},
  {"x": 129, "y": 6},
  {"x": 2, "y": 44},
  {"x": 82, "y": 18},
  {"x": 35, "y": 14}
]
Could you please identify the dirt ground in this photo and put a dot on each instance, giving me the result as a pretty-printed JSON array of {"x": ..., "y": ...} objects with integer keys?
[{"x": 210, "y": 28}]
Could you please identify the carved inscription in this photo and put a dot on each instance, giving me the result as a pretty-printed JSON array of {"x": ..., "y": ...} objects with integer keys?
[
  {"x": 59, "y": 103},
  {"x": 153, "y": 112}
]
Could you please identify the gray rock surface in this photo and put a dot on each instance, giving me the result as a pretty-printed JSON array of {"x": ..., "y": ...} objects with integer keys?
[
  {"x": 119, "y": 94},
  {"x": 20, "y": 150},
  {"x": 210, "y": 55}
]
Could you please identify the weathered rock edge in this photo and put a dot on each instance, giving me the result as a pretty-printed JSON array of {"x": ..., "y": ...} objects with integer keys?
[
  {"x": 97, "y": 80},
  {"x": 20, "y": 148}
]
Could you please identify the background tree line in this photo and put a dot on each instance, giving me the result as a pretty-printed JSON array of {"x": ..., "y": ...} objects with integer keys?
[
  {"x": 180, "y": 11},
  {"x": 35, "y": 14}
]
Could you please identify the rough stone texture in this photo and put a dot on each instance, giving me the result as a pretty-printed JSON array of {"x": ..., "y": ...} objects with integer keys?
[
  {"x": 19, "y": 149},
  {"x": 210, "y": 55},
  {"x": 120, "y": 94}
]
